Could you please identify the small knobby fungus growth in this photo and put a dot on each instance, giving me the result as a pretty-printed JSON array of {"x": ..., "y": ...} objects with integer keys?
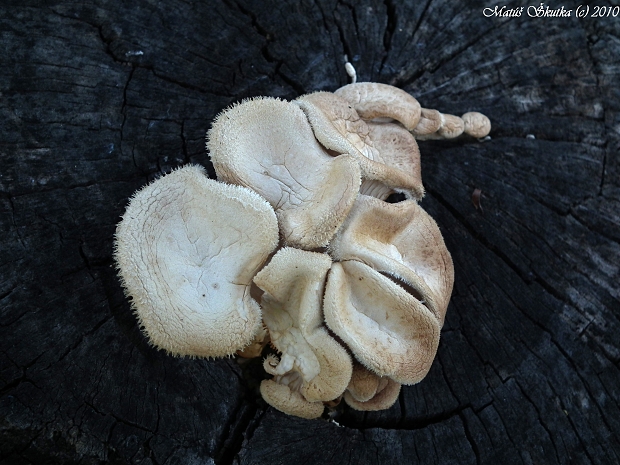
[{"x": 295, "y": 244}]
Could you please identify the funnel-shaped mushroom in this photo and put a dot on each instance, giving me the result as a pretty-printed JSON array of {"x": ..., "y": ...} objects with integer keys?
[
  {"x": 268, "y": 145},
  {"x": 318, "y": 366},
  {"x": 388, "y": 330},
  {"x": 339, "y": 128},
  {"x": 402, "y": 241},
  {"x": 187, "y": 250}
]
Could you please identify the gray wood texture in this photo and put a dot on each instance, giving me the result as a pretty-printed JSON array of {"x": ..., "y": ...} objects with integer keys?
[{"x": 98, "y": 98}]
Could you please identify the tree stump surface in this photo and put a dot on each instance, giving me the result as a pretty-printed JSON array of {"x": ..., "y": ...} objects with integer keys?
[{"x": 98, "y": 98}]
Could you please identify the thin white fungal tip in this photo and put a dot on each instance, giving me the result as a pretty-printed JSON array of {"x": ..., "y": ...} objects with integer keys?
[{"x": 350, "y": 70}]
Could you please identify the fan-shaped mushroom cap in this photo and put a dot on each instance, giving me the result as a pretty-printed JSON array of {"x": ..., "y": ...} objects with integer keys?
[
  {"x": 374, "y": 100},
  {"x": 339, "y": 128},
  {"x": 268, "y": 145},
  {"x": 187, "y": 250},
  {"x": 388, "y": 330},
  {"x": 402, "y": 241},
  {"x": 476, "y": 124},
  {"x": 293, "y": 283},
  {"x": 291, "y": 402},
  {"x": 385, "y": 396}
]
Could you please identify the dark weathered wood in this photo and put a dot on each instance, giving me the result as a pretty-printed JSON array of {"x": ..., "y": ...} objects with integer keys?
[{"x": 98, "y": 98}]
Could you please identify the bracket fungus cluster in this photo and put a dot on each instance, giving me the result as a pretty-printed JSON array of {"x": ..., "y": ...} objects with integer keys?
[{"x": 295, "y": 245}]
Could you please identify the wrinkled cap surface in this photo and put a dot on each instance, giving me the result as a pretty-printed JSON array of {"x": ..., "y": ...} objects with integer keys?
[
  {"x": 388, "y": 159},
  {"x": 187, "y": 250},
  {"x": 402, "y": 241}
]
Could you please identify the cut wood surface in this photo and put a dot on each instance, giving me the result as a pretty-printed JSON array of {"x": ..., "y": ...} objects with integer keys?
[{"x": 98, "y": 98}]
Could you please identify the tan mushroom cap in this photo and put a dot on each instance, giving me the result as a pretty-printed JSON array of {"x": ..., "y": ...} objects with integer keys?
[
  {"x": 364, "y": 384},
  {"x": 293, "y": 284},
  {"x": 339, "y": 128},
  {"x": 402, "y": 241},
  {"x": 187, "y": 250},
  {"x": 268, "y": 145},
  {"x": 476, "y": 124},
  {"x": 291, "y": 402},
  {"x": 451, "y": 126},
  {"x": 397, "y": 149},
  {"x": 374, "y": 100},
  {"x": 386, "y": 396},
  {"x": 430, "y": 122},
  {"x": 388, "y": 330},
  {"x": 435, "y": 125},
  {"x": 336, "y": 124}
]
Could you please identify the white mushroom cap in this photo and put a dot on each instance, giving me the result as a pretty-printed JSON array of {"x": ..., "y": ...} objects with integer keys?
[
  {"x": 373, "y": 100},
  {"x": 402, "y": 241},
  {"x": 268, "y": 145},
  {"x": 388, "y": 330},
  {"x": 293, "y": 284},
  {"x": 187, "y": 250},
  {"x": 339, "y": 128}
]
